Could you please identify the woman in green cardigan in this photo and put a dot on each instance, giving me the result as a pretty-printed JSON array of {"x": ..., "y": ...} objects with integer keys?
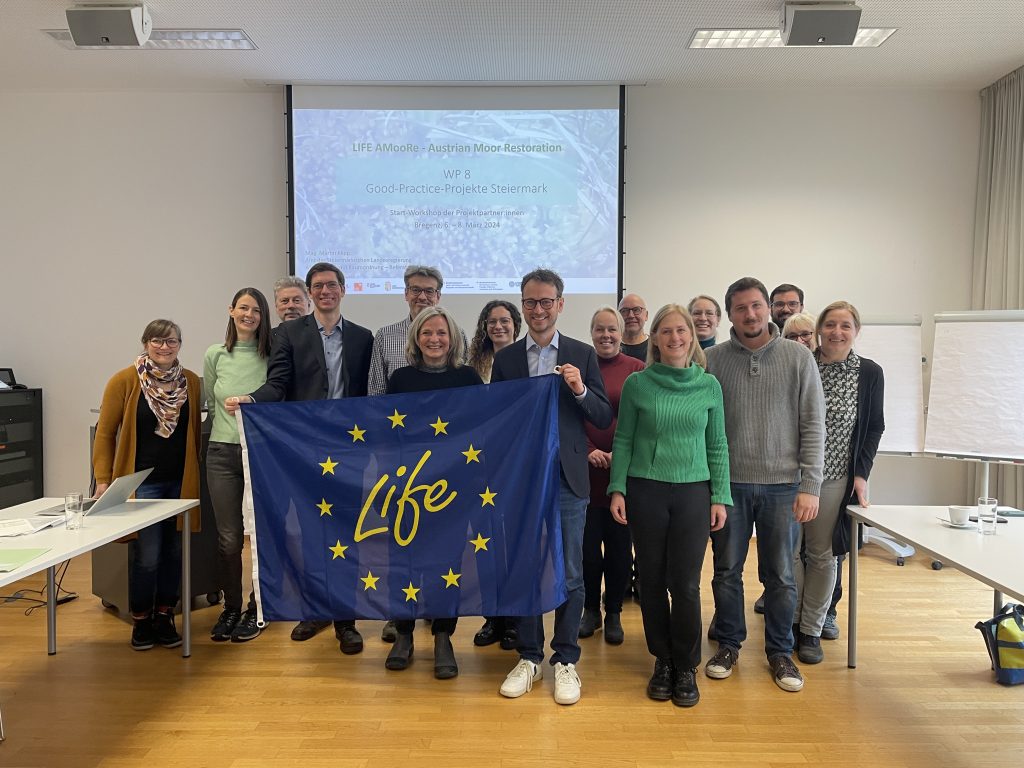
[{"x": 671, "y": 460}]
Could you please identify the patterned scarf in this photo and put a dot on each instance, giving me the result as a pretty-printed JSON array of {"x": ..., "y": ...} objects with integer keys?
[{"x": 165, "y": 403}]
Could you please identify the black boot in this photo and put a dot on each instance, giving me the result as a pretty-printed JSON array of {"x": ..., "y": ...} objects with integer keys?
[
  {"x": 591, "y": 622},
  {"x": 401, "y": 653},
  {"x": 684, "y": 688},
  {"x": 445, "y": 665},
  {"x": 613, "y": 629},
  {"x": 660, "y": 686}
]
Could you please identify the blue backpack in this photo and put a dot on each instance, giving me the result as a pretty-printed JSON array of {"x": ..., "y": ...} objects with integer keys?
[{"x": 1004, "y": 639}]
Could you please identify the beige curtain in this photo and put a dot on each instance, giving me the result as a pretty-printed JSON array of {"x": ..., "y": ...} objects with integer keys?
[{"x": 998, "y": 273}]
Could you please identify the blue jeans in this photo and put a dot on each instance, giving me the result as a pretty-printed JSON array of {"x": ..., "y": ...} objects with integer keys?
[
  {"x": 771, "y": 508},
  {"x": 154, "y": 559},
  {"x": 565, "y": 643}
]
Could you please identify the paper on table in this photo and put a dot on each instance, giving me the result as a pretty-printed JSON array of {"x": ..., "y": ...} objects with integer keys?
[
  {"x": 12, "y": 559},
  {"x": 22, "y": 526}
]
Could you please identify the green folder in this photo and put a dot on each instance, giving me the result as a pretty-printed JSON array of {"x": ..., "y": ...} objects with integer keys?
[{"x": 12, "y": 559}]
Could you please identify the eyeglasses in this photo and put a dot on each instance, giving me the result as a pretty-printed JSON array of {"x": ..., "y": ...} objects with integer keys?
[
  {"x": 499, "y": 321},
  {"x": 632, "y": 311},
  {"x": 704, "y": 313},
  {"x": 794, "y": 305},
  {"x": 331, "y": 286},
  {"x": 417, "y": 291},
  {"x": 544, "y": 303},
  {"x": 799, "y": 335},
  {"x": 169, "y": 343}
]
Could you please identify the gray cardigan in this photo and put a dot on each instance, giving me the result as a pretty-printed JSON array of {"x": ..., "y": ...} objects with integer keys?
[{"x": 774, "y": 411}]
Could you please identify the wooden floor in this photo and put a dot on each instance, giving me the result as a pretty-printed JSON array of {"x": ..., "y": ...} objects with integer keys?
[{"x": 923, "y": 695}]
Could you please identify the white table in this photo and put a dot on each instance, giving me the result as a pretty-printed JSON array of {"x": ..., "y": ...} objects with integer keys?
[
  {"x": 992, "y": 560},
  {"x": 96, "y": 531}
]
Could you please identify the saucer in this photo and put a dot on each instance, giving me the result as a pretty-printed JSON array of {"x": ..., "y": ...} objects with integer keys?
[{"x": 949, "y": 524}]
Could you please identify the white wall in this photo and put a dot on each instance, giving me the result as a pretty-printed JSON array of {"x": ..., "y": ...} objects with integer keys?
[
  {"x": 116, "y": 208},
  {"x": 857, "y": 195}
]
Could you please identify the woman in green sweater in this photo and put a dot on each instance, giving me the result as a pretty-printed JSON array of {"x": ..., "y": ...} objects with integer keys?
[
  {"x": 671, "y": 460},
  {"x": 237, "y": 365}
]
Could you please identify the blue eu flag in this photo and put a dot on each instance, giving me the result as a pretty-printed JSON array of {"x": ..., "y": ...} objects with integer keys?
[{"x": 422, "y": 505}]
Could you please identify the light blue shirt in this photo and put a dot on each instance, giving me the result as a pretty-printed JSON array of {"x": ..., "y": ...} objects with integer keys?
[
  {"x": 332, "y": 356},
  {"x": 542, "y": 360}
]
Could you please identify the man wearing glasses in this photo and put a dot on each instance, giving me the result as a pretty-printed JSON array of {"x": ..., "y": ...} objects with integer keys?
[
  {"x": 422, "y": 289},
  {"x": 634, "y": 334},
  {"x": 318, "y": 357},
  {"x": 581, "y": 398},
  {"x": 786, "y": 300}
]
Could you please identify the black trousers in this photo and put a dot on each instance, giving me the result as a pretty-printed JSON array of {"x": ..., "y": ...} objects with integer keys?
[
  {"x": 607, "y": 551},
  {"x": 671, "y": 525},
  {"x": 226, "y": 481},
  {"x": 404, "y": 627}
]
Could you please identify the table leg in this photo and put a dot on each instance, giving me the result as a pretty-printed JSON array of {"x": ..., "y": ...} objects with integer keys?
[
  {"x": 51, "y": 611},
  {"x": 186, "y": 584},
  {"x": 997, "y": 602},
  {"x": 2, "y": 737},
  {"x": 851, "y": 627}
]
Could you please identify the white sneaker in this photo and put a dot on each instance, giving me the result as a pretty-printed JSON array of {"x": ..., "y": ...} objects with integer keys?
[
  {"x": 567, "y": 684},
  {"x": 521, "y": 679}
]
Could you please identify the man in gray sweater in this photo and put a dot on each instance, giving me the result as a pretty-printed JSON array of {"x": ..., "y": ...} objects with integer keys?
[{"x": 775, "y": 424}]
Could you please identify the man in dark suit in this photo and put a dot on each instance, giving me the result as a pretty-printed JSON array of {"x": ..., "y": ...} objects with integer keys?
[
  {"x": 581, "y": 397},
  {"x": 317, "y": 357}
]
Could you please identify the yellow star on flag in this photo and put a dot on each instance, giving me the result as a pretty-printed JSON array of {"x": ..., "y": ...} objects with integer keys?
[
  {"x": 397, "y": 419},
  {"x": 472, "y": 454},
  {"x": 479, "y": 542},
  {"x": 357, "y": 433},
  {"x": 325, "y": 508},
  {"x": 338, "y": 550},
  {"x": 488, "y": 497},
  {"x": 440, "y": 427},
  {"x": 410, "y": 593},
  {"x": 369, "y": 580},
  {"x": 451, "y": 579},
  {"x": 328, "y": 465}
]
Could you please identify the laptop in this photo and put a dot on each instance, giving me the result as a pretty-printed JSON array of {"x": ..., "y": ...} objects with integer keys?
[{"x": 117, "y": 493}]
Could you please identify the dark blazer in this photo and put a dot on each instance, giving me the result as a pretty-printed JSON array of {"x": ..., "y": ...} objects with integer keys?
[
  {"x": 867, "y": 432},
  {"x": 510, "y": 363},
  {"x": 298, "y": 369}
]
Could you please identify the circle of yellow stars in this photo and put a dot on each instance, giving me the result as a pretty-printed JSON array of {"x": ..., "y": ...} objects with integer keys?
[{"x": 479, "y": 542}]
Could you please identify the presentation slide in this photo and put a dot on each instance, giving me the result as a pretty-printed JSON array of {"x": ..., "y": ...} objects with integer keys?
[{"x": 485, "y": 195}]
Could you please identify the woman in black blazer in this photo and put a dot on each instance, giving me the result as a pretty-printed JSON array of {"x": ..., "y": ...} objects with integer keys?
[{"x": 854, "y": 422}]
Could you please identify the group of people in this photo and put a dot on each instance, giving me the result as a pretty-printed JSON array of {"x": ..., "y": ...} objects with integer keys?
[{"x": 666, "y": 439}]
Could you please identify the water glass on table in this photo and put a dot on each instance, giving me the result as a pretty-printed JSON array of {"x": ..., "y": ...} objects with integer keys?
[
  {"x": 73, "y": 511},
  {"x": 987, "y": 517}
]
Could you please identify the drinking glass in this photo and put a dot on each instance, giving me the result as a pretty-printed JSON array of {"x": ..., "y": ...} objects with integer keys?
[
  {"x": 73, "y": 511},
  {"x": 987, "y": 517}
]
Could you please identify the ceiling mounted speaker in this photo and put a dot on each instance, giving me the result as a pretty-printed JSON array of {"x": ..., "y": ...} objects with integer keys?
[
  {"x": 113, "y": 25},
  {"x": 826, "y": 23}
]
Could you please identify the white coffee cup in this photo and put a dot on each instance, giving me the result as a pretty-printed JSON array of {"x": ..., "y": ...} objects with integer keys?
[{"x": 959, "y": 515}]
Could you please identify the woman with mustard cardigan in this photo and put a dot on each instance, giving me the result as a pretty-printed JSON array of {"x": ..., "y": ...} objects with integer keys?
[{"x": 150, "y": 417}]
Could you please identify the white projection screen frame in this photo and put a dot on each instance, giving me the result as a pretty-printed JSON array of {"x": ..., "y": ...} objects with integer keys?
[
  {"x": 896, "y": 346},
  {"x": 976, "y": 402}
]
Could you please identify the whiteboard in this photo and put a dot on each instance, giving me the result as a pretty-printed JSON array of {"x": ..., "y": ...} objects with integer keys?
[
  {"x": 896, "y": 346},
  {"x": 976, "y": 406}
]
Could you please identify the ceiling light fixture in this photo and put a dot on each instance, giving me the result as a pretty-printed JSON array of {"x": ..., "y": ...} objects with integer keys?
[
  {"x": 772, "y": 38},
  {"x": 169, "y": 39}
]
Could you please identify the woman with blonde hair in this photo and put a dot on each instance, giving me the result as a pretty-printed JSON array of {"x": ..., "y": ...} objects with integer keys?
[
  {"x": 854, "y": 422},
  {"x": 800, "y": 328},
  {"x": 670, "y": 459},
  {"x": 434, "y": 350}
]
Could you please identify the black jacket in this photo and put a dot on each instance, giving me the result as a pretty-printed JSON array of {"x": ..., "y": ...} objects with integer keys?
[
  {"x": 864, "y": 443},
  {"x": 511, "y": 363},
  {"x": 298, "y": 369}
]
